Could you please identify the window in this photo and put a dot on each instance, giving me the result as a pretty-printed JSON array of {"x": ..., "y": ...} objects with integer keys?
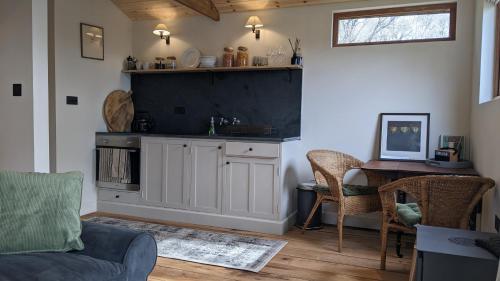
[
  {"x": 395, "y": 25},
  {"x": 496, "y": 86}
]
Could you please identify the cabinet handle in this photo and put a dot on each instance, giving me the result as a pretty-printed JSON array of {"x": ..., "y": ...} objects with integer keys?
[
  {"x": 117, "y": 196},
  {"x": 250, "y": 149},
  {"x": 185, "y": 145},
  {"x": 220, "y": 147},
  {"x": 227, "y": 163}
]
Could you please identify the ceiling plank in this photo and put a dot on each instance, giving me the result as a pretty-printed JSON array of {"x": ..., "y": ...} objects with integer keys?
[
  {"x": 204, "y": 7},
  {"x": 138, "y": 10}
]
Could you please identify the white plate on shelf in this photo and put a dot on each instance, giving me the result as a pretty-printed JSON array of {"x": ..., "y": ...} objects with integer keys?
[{"x": 191, "y": 58}]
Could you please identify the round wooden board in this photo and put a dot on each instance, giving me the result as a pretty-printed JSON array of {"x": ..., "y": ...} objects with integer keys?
[{"x": 118, "y": 111}]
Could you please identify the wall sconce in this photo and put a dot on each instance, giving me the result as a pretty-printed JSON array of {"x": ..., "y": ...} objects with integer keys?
[
  {"x": 161, "y": 30},
  {"x": 254, "y": 22}
]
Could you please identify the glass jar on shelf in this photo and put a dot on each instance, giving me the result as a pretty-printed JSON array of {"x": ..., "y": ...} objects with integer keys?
[
  {"x": 228, "y": 57},
  {"x": 242, "y": 56}
]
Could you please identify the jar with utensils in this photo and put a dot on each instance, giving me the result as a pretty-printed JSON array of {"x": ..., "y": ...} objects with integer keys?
[
  {"x": 242, "y": 56},
  {"x": 228, "y": 57}
]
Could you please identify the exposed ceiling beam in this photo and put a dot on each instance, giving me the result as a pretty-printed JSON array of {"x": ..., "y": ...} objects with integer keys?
[{"x": 204, "y": 7}]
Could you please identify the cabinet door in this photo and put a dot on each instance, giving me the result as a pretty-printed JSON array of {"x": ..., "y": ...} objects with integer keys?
[
  {"x": 237, "y": 174},
  {"x": 250, "y": 187},
  {"x": 206, "y": 176},
  {"x": 152, "y": 171},
  {"x": 175, "y": 173},
  {"x": 163, "y": 173}
]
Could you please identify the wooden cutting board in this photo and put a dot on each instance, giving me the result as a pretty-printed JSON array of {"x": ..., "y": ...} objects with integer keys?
[{"x": 118, "y": 111}]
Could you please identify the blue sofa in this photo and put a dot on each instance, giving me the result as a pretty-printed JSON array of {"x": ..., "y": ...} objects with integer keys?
[{"x": 110, "y": 254}]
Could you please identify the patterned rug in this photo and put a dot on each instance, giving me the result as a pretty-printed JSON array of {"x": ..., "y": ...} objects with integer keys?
[{"x": 213, "y": 248}]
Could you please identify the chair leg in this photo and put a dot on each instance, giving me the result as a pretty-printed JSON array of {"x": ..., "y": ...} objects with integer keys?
[
  {"x": 340, "y": 227},
  {"x": 383, "y": 247},
  {"x": 398, "y": 244},
  {"x": 319, "y": 199}
]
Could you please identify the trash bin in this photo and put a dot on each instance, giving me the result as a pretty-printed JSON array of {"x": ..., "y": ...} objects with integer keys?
[{"x": 306, "y": 197}]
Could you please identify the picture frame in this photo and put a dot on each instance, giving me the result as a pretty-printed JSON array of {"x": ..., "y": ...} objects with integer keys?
[
  {"x": 404, "y": 136},
  {"x": 92, "y": 41}
]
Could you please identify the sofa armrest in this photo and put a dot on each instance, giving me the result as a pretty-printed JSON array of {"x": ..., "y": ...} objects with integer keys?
[{"x": 136, "y": 250}]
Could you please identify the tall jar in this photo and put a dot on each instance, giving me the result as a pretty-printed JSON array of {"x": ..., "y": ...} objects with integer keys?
[
  {"x": 228, "y": 57},
  {"x": 242, "y": 56}
]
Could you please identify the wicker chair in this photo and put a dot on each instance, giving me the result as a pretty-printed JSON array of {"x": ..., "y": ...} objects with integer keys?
[
  {"x": 446, "y": 201},
  {"x": 329, "y": 168}
]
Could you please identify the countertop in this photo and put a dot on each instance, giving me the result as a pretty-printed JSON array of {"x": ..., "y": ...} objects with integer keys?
[{"x": 207, "y": 137}]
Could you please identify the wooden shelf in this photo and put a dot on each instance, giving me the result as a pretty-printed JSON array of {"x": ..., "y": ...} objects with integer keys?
[{"x": 215, "y": 69}]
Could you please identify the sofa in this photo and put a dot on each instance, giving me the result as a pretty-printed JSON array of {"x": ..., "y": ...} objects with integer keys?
[{"x": 110, "y": 254}]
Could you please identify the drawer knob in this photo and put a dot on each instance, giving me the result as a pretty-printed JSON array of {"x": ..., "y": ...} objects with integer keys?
[
  {"x": 117, "y": 196},
  {"x": 250, "y": 149},
  {"x": 227, "y": 163},
  {"x": 185, "y": 145},
  {"x": 220, "y": 147}
]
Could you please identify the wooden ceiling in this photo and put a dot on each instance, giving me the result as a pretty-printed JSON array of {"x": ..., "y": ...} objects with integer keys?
[{"x": 138, "y": 10}]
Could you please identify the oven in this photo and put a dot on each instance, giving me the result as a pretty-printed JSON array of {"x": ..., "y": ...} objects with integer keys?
[{"x": 118, "y": 161}]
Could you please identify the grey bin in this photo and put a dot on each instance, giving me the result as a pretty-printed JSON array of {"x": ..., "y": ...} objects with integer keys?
[{"x": 306, "y": 197}]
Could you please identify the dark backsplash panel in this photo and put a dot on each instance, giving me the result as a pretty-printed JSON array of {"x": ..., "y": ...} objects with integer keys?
[{"x": 182, "y": 103}]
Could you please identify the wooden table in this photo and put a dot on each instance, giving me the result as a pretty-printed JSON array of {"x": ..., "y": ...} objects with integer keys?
[{"x": 395, "y": 170}]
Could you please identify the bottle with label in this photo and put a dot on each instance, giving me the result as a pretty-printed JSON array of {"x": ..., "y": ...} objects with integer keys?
[{"x": 211, "y": 131}]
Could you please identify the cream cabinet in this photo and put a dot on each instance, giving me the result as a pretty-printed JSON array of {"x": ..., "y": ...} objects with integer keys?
[
  {"x": 251, "y": 187},
  {"x": 217, "y": 182},
  {"x": 164, "y": 177},
  {"x": 206, "y": 176}
]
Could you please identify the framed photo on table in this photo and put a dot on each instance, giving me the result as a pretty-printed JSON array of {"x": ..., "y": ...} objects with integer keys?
[{"x": 404, "y": 136}]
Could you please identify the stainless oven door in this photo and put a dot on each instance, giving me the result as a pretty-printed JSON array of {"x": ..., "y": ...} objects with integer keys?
[{"x": 117, "y": 167}]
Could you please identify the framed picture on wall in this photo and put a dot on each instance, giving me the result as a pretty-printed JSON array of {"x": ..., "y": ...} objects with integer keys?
[
  {"x": 92, "y": 41},
  {"x": 404, "y": 136}
]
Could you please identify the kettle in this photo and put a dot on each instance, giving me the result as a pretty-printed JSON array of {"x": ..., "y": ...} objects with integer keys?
[{"x": 143, "y": 122}]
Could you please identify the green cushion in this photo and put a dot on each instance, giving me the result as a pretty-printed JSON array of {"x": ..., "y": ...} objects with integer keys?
[
  {"x": 409, "y": 214},
  {"x": 356, "y": 190},
  {"x": 349, "y": 189},
  {"x": 40, "y": 212}
]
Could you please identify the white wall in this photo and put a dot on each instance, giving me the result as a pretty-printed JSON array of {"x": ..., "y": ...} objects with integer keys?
[
  {"x": 485, "y": 115},
  {"x": 16, "y": 113},
  {"x": 90, "y": 80},
  {"x": 344, "y": 89}
]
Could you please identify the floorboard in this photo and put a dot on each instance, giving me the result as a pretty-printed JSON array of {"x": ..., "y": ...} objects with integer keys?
[{"x": 309, "y": 256}]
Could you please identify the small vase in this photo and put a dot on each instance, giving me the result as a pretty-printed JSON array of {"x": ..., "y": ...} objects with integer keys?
[{"x": 296, "y": 60}]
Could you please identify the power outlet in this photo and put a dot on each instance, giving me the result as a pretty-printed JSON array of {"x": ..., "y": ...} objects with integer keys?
[
  {"x": 180, "y": 110},
  {"x": 497, "y": 224},
  {"x": 72, "y": 100},
  {"x": 17, "y": 90}
]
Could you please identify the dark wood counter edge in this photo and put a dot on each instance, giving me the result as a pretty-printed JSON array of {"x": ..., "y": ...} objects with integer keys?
[{"x": 206, "y": 137}]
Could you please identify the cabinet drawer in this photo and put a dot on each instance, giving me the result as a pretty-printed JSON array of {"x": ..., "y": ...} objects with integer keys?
[
  {"x": 248, "y": 149},
  {"x": 118, "y": 196}
]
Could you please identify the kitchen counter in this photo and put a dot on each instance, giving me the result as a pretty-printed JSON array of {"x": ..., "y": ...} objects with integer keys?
[{"x": 273, "y": 139}]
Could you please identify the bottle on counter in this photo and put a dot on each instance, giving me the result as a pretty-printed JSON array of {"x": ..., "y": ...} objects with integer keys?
[
  {"x": 228, "y": 57},
  {"x": 242, "y": 56},
  {"x": 211, "y": 131}
]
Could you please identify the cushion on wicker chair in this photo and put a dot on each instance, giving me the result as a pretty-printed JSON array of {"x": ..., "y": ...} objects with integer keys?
[
  {"x": 409, "y": 214},
  {"x": 356, "y": 190},
  {"x": 349, "y": 190}
]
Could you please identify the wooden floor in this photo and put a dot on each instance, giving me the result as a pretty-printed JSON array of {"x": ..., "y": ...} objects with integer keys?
[{"x": 311, "y": 256}]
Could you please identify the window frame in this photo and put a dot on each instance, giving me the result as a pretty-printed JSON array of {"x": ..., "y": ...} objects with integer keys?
[
  {"x": 398, "y": 11},
  {"x": 496, "y": 73}
]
